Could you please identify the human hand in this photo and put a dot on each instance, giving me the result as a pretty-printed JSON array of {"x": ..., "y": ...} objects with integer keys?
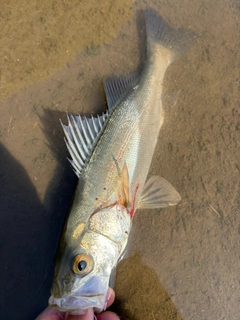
[{"x": 53, "y": 314}]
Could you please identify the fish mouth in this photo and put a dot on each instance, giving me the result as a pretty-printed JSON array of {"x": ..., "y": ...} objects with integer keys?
[
  {"x": 91, "y": 295},
  {"x": 78, "y": 304}
]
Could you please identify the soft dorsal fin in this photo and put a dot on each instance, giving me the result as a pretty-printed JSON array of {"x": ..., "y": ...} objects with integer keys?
[
  {"x": 158, "y": 193},
  {"x": 81, "y": 136},
  {"x": 117, "y": 86}
]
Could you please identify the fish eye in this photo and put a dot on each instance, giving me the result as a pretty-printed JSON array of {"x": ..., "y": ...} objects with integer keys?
[{"x": 82, "y": 264}]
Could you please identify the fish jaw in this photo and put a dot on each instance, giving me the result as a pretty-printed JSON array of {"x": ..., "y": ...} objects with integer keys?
[{"x": 91, "y": 295}]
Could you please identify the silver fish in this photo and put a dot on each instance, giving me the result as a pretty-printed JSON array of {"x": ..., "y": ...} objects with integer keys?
[{"x": 111, "y": 154}]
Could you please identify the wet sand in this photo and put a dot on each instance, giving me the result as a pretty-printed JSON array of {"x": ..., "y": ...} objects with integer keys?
[{"x": 182, "y": 262}]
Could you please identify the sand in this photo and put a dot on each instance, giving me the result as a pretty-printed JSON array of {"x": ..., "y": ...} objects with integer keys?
[{"x": 182, "y": 262}]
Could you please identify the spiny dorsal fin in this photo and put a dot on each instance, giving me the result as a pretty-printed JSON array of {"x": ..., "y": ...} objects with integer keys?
[
  {"x": 117, "y": 86},
  {"x": 158, "y": 193},
  {"x": 81, "y": 136}
]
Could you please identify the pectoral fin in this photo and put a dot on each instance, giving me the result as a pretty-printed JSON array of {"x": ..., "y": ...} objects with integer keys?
[
  {"x": 158, "y": 193},
  {"x": 124, "y": 196}
]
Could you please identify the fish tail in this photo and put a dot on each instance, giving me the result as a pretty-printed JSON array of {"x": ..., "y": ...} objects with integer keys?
[{"x": 159, "y": 32}]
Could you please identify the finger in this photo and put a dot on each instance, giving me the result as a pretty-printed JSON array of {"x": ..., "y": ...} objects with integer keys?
[
  {"x": 51, "y": 314},
  {"x": 107, "y": 315},
  {"x": 87, "y": 316},
  {"x": 110, "y": 297}
]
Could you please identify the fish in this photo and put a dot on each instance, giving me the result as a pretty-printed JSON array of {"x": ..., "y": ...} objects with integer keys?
[{"x": 111, "y": 155}]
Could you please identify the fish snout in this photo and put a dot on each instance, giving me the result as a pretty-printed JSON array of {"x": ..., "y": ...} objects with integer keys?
[{"x": 62, "y": 286}]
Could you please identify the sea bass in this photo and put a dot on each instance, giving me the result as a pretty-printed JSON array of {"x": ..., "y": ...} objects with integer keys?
[{"x": 111, "y": 155}]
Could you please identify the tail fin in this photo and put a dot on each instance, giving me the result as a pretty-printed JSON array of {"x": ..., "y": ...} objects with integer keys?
[{"x": 159, "y": 31}]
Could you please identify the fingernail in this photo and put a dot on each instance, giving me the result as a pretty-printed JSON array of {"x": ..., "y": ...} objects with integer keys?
[{"x": 108, "y": 296}]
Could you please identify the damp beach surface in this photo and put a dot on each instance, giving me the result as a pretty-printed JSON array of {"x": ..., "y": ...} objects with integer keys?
[{"x": 182, "y": 262}]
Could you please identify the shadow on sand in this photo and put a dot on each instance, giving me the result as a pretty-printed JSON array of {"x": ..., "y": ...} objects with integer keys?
[
  {"x": 140, "y": 295},
  {"x": 29, "y": 233}
]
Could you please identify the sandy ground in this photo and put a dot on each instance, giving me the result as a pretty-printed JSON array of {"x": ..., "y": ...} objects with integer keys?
[{"x": 182, "y": 262}]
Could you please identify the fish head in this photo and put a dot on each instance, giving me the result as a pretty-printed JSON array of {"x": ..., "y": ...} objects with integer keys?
[
  {"x": 82, "y": 283},
  {"x": 83, "y": 269}
]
